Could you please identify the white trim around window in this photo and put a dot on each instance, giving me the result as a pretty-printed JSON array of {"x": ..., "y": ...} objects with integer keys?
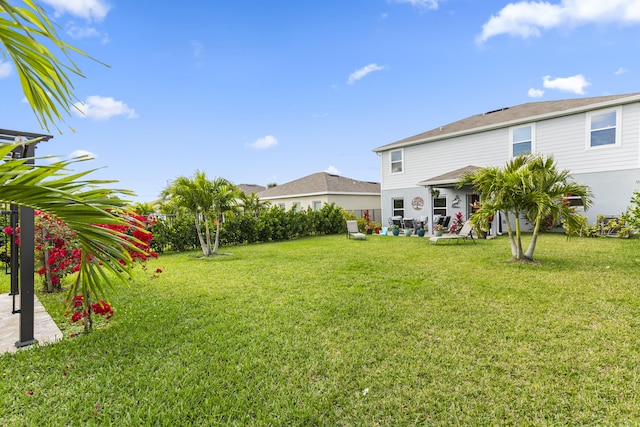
[
  {"x": 522, "y": 139},
  {"x": 396, "y": 161},
  {"x": 603, "y": 129}
]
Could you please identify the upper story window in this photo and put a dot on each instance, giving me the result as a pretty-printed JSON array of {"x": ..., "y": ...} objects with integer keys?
[
  {"x": 522, "y": 140},
  {"x": 603, "y": 128},
  {"x": 317, "y": 205},
  {"x": 397, "y": 163}
]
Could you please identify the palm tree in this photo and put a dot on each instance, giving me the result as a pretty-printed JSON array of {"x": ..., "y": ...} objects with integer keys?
[
  {"x": 204, "y": 199},
  {"x": 225, "y": 196},
  {"x": 197, "y": 196},
  {"x": 546, "y": 198},
  {"x": 528, "y": 185},
  {"x": 251, "y": 204},
  {"x": 80, "y": 204},
  {"x": 26, "y": 36}
]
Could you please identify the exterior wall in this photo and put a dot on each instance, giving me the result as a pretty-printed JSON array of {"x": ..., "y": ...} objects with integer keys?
[
  {"x": 348, "y": 202},
  {"x": 612, "y": 191},
  {"x": 612, "y": 173},
  {"x": 435, "y": 158},
  {"x": 566, "y": 138}
]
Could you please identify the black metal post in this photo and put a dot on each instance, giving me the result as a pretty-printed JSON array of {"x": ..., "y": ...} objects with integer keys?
[
  {"x": 27, "y": 267},
  {"x": 13, "y": 252}
]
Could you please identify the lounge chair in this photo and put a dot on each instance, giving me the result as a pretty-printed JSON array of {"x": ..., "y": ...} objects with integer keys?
[
  {"x": 352, "y": 231},
  {"x": 466, "y": 232}
]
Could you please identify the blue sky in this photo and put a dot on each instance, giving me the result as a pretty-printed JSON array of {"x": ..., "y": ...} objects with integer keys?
[{"x": 270, "y": 91}]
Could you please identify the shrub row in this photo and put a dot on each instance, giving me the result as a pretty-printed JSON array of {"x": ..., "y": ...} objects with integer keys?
[{"x": 273, "y": 224}]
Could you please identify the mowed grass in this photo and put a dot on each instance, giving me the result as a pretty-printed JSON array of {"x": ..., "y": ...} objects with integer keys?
[{"x": 336, "y": 332}]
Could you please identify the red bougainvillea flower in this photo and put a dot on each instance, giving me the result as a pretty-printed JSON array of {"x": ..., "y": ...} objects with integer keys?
[
  {"x": 158, "y": 270},
  {"x": 8, "y": 230}
]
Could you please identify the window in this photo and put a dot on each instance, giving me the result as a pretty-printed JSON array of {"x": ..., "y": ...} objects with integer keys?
[
  {"x": 398, "y": 207},
  {"x": 396, "y": 161},
  {"x": 521, "y": 140},
  {"x": 296, "y": 206},
  {"x": 603, "y": 128},
  {"x": 440, "y": 206},
  {"x": 317, "y": 205},
  {"x": 574, "y": 201},
  {"x": 281, "y": 205}
]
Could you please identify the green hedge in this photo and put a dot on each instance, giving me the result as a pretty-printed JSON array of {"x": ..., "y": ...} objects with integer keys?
[{"x": 274, "y": 224}]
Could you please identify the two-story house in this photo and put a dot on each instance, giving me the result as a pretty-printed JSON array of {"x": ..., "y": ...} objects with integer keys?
[{"x": 597, "y": 139}]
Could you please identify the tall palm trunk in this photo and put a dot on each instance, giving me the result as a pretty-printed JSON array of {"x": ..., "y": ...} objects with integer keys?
[
  {"x": 519, "y": 252},
  {"x": 208, "y": 236},
  {"x": 532, "y": 244},
  {"x": 203, "y": 245},
  {"x": 512, "y": 240},
  {"x": 217, "y": 240}
]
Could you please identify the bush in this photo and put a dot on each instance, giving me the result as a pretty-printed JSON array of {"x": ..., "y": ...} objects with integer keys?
[{"x": 272, "y": 225}]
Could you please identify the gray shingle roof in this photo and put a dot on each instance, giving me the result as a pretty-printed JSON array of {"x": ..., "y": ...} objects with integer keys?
[
  {"x": 321, "y": 183},
  {"x": 251, "y": 188},
  {"x": 449, "y": 178},
  {"x": 511, "y": 115}
]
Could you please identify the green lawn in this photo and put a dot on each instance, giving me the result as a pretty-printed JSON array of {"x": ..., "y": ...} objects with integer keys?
[{"x": 337, "y": 332}]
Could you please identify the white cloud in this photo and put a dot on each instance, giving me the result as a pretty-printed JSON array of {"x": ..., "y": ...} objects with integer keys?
[
  {"x": 621, "y": 70},
  {"x": 102, "y": 108},
  {"x": 5, "y": 69},
  {"x": 528, "y": 18},
  {"x": 358, "y": 74},
  {"x": 81, "y": 32},
  {"x": 574, "y": 84},
  {"x": 332, "y": 170},
  {"x": 319, "y": 115},
  {"x": 197, "y": 49},
  {"x": 82, "y": 153},
  {"x": 265, "y": 142},
  {"x": 535, "y": 93},
  {"x": 91, "y": 10},
  {"x": 429, "y": 4}
]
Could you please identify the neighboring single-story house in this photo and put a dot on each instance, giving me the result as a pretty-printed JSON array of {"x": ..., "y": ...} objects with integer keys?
[
  {"x": 596, "y": 138},
  {"x": 322, "y": 187}
]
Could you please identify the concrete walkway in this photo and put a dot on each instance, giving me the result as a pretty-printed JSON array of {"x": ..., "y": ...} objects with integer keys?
[{"x": 45, "y": 329}]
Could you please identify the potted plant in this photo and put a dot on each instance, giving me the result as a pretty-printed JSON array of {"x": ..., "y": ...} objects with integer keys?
[
  {"x": 420, "y": 231},
  {"x": 408, "y": 231},
  {"x": 438, "y": 229},
  {"x": 395, "y": 230}
]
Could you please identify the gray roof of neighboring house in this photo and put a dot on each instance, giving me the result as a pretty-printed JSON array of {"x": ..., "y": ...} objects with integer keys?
[
  {"x": 321, "y": 183},
  {"x": 510, "y": 116},
  {"x": 251, "y": 188}
]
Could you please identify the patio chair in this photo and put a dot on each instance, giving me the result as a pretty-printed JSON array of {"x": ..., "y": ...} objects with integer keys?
[
  {"x": 408, "y": 223},
  {"x": 395, "y": 220},
  {"x": 466, "y": 232},
  {"x": 423, "y": 222},
  {"x": 446, "y": 221},
  {"x": 352, "y": 231}
]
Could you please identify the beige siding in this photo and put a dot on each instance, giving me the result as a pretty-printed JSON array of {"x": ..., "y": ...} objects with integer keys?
[{"x": 348, "y": 202}]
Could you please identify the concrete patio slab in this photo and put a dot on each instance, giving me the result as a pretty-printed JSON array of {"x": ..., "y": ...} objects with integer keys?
[{"x": 45, "y": 329}]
